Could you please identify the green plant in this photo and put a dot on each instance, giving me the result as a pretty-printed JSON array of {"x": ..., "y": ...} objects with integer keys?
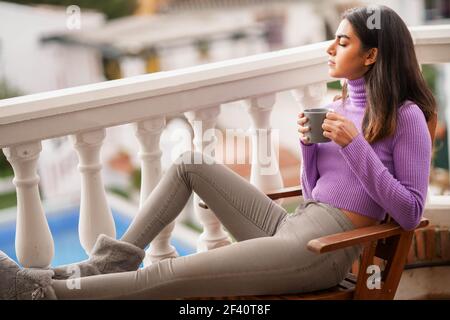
[
  {"x": 334, "y": 85},
  {"x": 120, "y": 192},
  {"x": 193, "y": 226},
  {"x": 6, "y": 91},
  {"x": 8, "y": 200},
  {"x": 136, "y": 178},
  {"x": 290, "y": 206},
  {"x": 430, "y": 75},
  {"x": 5, "y": 168}
]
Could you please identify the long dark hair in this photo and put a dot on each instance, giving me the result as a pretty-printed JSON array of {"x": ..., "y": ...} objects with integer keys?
[{"x": 394, "y": 77}]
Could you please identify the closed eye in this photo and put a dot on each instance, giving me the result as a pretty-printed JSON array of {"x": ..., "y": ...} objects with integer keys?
[{"x": 339, "y": 37}]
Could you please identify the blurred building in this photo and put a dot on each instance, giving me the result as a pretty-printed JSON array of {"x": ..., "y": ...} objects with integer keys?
[
  {"x": 29, "y": 66},
  {"x": 143, "y": 44}
]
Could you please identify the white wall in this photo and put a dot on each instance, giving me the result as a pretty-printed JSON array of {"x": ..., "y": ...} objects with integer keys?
[
  {"x": 31, "y": 67},
  {"x": 303, "y": 25}
]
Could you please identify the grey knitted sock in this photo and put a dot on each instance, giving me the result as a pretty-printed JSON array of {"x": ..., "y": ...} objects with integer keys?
[
  {"x": 8, "y": 272},
  {"x": 108, "y": 256},
  {"x": 24, "y": 284},
  {"x": 34, "y": 284}
]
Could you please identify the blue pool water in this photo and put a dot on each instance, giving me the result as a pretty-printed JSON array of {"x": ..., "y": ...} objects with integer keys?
[{"x": 64, "y": 228}]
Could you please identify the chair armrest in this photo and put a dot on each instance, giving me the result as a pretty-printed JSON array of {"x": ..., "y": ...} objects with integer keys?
[
  {"x": 285, "y": 192},
  {"x": 358, "y": 236}
]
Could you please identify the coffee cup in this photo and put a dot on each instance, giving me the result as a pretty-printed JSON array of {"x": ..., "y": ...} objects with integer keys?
[{"x": 316, "y": 116}]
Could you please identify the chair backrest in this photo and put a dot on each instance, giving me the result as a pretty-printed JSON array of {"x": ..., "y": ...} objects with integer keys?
[{"x": 389, "y": 254}]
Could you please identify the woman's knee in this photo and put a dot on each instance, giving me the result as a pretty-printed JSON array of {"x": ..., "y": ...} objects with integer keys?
[
  {"x": 185, "y": 163},
  {"x": 190, "y": 157},
  {"x": 187, "y": 157}
]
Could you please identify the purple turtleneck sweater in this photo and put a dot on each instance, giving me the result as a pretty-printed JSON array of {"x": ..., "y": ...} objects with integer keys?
[{"x": 389, "y": 176}]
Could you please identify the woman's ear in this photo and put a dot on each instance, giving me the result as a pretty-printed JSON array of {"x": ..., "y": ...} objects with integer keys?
[{"x": 371, "y": 57}]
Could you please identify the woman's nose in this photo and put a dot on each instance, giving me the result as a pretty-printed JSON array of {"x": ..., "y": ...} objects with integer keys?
[{"x": 331, "y": 49}]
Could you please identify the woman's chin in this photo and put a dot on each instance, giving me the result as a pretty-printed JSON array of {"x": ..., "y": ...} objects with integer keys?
[{"x": 332, "y": 72}]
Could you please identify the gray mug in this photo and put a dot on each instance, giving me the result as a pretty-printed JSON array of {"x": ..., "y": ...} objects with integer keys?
[{"x": 316, "y": 116}]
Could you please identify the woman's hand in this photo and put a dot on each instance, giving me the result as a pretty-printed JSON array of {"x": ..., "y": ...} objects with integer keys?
[
  {"x": 302, "y": 129},
  {"x": 339, "y": 129}
]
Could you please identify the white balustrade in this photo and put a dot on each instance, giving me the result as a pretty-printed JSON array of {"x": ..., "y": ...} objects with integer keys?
[
  {"x": 34, "y": 242},
  {"x": 203, "y": 122},
  {"x": 148, "y": 133},
  {"x": 265, "y": 171},
  {"x": 198, "y": 92},
  {"x": 310, "y": 96},
  {"x": 95, "y": 215}
]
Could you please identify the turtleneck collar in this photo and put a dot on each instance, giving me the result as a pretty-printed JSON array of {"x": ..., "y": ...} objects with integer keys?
[{"x": 357, "y": 92}]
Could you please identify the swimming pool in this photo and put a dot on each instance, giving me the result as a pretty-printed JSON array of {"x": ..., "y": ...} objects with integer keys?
[{"x": 64, "y": 228}]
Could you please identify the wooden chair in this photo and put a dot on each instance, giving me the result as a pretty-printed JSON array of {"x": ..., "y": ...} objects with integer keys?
[{"x": 387, "y": 243}]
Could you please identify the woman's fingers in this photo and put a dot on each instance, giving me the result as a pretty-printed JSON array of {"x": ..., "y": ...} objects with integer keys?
[
  {"x": 305, "y": 139},
  {"x": 302, "y": 121},
  {"x": 301, "y": 115},
  {"x": 326, "y": 126},
  {"x": 303, "y": 129}
]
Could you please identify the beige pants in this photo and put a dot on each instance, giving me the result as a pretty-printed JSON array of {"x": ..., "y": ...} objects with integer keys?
[{"x": 270, "y": 256}]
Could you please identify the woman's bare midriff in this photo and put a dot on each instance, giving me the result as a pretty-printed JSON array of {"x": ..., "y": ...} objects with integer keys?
[{"x": 358, "y": 220}]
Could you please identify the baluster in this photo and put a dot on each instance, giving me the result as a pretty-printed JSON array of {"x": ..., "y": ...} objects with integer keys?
[
  {"x": 34, "y": 242},
  {"x": 213, "y": 235},
  {"x": 95, "y": 215},
  {"x": 265, "y": 171},
  {"x": 310, "y": 96},
  {"x": 148, "y": 133}
]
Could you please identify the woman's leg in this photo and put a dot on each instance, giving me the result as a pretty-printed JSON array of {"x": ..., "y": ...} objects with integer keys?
[
  {"x": 265, "y": 265},
  {"x": 245, "y": 211}
]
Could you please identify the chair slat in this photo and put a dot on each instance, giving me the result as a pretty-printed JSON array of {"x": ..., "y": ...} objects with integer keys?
[{"x": 288, "y": 192}]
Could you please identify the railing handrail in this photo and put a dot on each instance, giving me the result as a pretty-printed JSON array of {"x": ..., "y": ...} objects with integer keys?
[
  {"x": 54, "y": 102},
  {"x": 430, "y": 34},
  {"x": 110, "y": 103}
]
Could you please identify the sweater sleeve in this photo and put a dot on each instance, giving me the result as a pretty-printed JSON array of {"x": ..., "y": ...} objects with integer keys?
[
  {"x": 404, "y": 195},
  {"x": 309, "y": 170}
]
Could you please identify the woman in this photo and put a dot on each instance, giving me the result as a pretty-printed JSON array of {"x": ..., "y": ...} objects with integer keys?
[{"x": 380, "y": 151}]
